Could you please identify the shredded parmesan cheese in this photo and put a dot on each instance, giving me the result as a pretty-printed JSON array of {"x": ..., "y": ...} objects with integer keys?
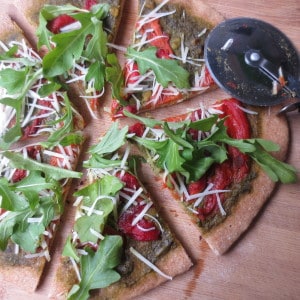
[{"x": 149, "y": 263}]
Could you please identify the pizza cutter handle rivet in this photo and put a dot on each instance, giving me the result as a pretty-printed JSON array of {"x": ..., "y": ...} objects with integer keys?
[{"x": 254, "y": 56}]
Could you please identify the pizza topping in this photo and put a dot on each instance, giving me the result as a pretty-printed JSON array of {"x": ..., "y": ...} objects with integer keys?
[
  {"x": 133, "y": 224},
  {"x": 82, "y": 46},
  {"x": 148, "y": 80},
  {"x": 31, "y": 104},
  {"x": 137, "y": 128},
  {"x": 56, "y": 24},
  {"x": 88, "y": 4},
  {"x": 202, "y": 155},
  {"x": 95, "y": 267},
  {"x": 227, "y": 44}
]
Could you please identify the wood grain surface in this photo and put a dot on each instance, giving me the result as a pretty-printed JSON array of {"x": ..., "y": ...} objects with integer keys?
[{"x": 265, "y": 262}]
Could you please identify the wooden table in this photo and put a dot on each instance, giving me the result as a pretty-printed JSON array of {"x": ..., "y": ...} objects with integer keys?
[{"x": 265, "y": 262}]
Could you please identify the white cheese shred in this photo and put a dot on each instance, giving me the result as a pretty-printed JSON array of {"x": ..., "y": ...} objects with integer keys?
[
  {"x": 97, "y": 234},
  {"x": 75, "y": 267},
  {"x": 141, "y": 214},
  {"x": 227, "y": 45},
  {"x": 149, "y": 264}
]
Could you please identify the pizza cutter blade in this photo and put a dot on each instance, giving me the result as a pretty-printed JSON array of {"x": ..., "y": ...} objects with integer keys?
[{"x": 254, "y": 62}]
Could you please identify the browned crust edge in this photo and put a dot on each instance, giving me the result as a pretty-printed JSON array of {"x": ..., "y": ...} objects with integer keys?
[{"x": 199, "y": 9}]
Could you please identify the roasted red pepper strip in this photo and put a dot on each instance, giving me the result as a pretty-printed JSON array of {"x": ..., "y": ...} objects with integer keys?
[
  {"x": 59, "y": 22},
  {"x": 207, "y": 79},
  {"x": 20, "y": 174},
  {"x": 144, "y": 230},
  {"x": 137, "y": 128},
  {"x": 238, "y": 127},
  {"x": 157, "y": 38},
  {"x": 129, "y": 180},
  {"x": 198, "y": 186},
  {"x": 89, "y": 4},
  {"x": 236, "y": 168},
  {"x": 34, "y": 126},
  {"x": 221, "y": 179}
]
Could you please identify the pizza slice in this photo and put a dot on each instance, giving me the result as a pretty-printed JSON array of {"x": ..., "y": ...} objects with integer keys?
[
  {"x": 120, "y": 247},
  {"x": 217, "y": 161},
  {"x": 164, "y": 62},
  {"x": 34, "y": 184},
  {"x": 74, "y": 38},
  {"x": 30, "y": 104}
]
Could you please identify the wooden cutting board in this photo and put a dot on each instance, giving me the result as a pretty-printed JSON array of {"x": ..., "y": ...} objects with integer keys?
[{"x": 265, "y": 262}]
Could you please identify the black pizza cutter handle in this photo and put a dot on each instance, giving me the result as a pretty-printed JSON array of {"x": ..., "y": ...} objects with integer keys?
[{"x": 254, "y": 58}]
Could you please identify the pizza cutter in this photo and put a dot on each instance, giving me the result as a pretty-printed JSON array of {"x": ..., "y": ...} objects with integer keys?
[{"x": 254, "y": 62}]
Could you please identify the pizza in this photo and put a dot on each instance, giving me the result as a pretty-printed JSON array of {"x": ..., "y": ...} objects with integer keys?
[
  {"x": 117, "y": 226},
  {"x": 31, "y": 105},
  {"x": 221, "y": 161},
  {"x": 164, "y": 62},
  {"x": 216, "y": 160}
]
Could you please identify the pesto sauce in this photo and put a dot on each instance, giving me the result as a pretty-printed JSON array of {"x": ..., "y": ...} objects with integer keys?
[
  {"x": 184, "y": 25},
  {"x": 236, "y": 191},
  {"x": 131, "y": 268}
]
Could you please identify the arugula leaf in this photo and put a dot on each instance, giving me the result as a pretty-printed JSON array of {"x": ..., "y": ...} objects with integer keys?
[
  {"x": 48, "y": 89},
  {"x": 96, "y": 48},
  {"x": 11, "y": 57},
  {"x": 15, "y": 225},
  {"x": 276, "y": 170},
  {"x": 70, "y": 250},
  {"x": 97, "y": 195},
  {"x": 25, "y": 82},
  {"x": 31, "y": 186},
  {"x": 62, "y": 135},
  {"x": 165, "y": 70},
  {"x": 114, "y": 75},
  {"x": 7, "y": 226},
  {"x": 70, "y": 45},
  {"x": 10, "y": 53},
  {"x": 18, "y": 161},
  {"x": 47, "y": 13},
  {"x": 9, "y": 199},
  {"x": 13, "y": 80},
  {"x": 96, "y": 72},
  {"x": 147, "y": 121},
  {"x": 98, "y": 162},
  {"x": 96, "y": 268},
  {"x": 113, "y": 140},
  {"x": 29, "y": 240},
  {"x": 177, "y": 137},
  {"x": 203, "y": 124}
]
